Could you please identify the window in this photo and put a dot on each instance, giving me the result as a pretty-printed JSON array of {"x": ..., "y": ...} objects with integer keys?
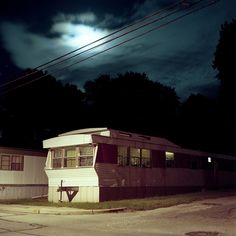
[
  {"x": 123, "y": 156},
  {"x": 146, "y": 154},
  {"x": 135, "y": 156},
  {"x": 70, "y": 157},
  {"x": 11, "y": 162},
  {"x": 170, "y": 157},
  {"x": 86, "y": 155},
  {"x": 57, "y": 158},
  {"x": 17, "y": 162},
  {"x": 6, "y": 162},
  {"x": 73, "y": 157}
]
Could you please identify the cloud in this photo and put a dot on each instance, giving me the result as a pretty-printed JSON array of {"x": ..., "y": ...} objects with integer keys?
[
  {"x": 178, "y": 55},
  {"x": 77, "y": 35},
  {"x": 29, "y": 50},
  {"x": 26, "y": 49},
  {"x": 84, "y": 18}
]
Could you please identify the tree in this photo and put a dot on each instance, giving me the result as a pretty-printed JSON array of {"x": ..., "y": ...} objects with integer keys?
[
  {"x": 132, "y": 102},
  {"x": 225, "y": 63},
  {"x": 39, "y": 110},
  {"x": 197, "y": 123},
  {"x": 225, "y": 54}
]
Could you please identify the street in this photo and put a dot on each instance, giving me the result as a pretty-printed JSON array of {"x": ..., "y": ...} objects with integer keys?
[{"x": 202, "y": 218}]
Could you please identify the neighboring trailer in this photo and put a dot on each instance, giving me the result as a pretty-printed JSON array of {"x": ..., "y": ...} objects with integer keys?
[
  {"x": 100, "y": 164},
  {"x": 22, "y": 173}
]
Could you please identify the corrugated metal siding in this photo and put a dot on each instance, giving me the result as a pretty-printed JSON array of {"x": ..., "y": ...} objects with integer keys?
[
  {"x": 111, "y": 175},
  {"x": 33, "y": 172},
  {"x": 118, "y": 182},
  {"x": 72, "y": 177},
  {"x": 22, "y": 191},
  {"x": 118, "y": 193},
  {"x": 158, "y": 159},
  {"x": 85, "y": 194},
  {"x": 32, "y": 181}
]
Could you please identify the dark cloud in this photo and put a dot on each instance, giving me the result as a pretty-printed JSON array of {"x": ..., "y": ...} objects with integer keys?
[{"x": 178, "y": 55}]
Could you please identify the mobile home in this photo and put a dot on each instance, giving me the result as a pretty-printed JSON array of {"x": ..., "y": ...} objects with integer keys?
[
  {"x": 100, "y": 164},
  {"x": 22, "y": 173}
]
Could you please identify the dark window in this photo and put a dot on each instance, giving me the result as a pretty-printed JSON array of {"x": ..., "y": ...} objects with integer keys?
[{"x": 12, "y": 162}]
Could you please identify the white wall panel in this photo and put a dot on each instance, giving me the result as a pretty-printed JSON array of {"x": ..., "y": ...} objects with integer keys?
[{"x": 73, "y": 177}]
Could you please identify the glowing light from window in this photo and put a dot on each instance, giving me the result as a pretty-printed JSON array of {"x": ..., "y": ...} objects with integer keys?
[{"x": 169, "y": 156}]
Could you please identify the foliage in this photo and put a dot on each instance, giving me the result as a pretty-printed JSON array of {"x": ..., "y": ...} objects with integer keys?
[
  {"x": 225, "y": 63},
  {"x": 225, "y": 54},
  {"x": 38, "y": 110},
  {"x": 132, "y": 102},
  {"x": 198, "y": 123}
]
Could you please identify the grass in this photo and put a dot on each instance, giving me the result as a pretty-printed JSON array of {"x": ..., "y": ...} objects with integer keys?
[{"x": 131, "y": 204}]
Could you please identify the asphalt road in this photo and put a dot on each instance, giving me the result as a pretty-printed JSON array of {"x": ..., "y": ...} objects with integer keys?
[{"x": 210, "y": 217}]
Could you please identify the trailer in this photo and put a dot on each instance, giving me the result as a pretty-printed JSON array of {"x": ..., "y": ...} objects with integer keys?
[
  {"x": 22, "y": 173},
  {"x": 101, "y": 164}
]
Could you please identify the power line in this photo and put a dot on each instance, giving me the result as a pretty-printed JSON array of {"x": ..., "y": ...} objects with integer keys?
[
  {"x": 142, "y": 34},
  {"x": 123, "y": 42},
  {"x": 47, "y": 64}
]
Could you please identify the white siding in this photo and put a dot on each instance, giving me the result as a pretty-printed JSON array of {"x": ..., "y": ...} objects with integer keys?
[
  {"x": 85, "y": 194},
  {"x": 68, "y": 140},
  {"x": 30, "y": 182},
  {"x": 72, "y": 177},
  {"x": 22, "y": 192},
  {"x": 84, "y": 178},
  {"x": 33, "y": 172}
]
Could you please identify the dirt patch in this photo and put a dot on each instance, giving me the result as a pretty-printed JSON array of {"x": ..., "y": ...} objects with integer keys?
[
  {"x": 202, "y": 233},
  {"x": 211, "y": 204}
]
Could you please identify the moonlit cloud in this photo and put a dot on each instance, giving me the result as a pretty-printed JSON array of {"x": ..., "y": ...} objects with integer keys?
[
  {"x": 27, "y": 49},
  {"x": 77, "y": 35},
  {"x": 178, "y": 55}
]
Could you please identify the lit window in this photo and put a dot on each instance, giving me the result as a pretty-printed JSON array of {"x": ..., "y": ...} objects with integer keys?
[
  {"x": 86, "y": 155},
  {"x": 170, "y": 157},
  {"x": 135, "y": 156},
  {"x": 122, "y": 155},
  {"x": 73, "y": 157},
  {"x": 146, "y": 155},
  {"x": 70, "y": 157}
]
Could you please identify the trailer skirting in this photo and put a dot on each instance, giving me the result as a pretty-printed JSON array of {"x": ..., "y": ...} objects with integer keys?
[{"x": 22, "y": 191}]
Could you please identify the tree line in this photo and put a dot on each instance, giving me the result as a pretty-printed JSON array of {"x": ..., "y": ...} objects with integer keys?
[{"x": 129, "y": 101}]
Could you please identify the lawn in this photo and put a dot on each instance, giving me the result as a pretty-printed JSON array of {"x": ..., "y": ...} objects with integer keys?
[{"x": 131, "y": 204}]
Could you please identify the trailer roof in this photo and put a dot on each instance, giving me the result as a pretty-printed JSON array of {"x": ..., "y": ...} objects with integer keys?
[{"x": 84, "y": 131}]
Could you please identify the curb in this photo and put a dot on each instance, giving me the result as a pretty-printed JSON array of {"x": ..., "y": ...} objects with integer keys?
[
  {"x": 55, "y": 210},
  {"x": 74, "y": 211}
]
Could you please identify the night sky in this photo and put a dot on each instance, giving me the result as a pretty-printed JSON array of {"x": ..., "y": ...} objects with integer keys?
[{"x": 179, "y": 55}]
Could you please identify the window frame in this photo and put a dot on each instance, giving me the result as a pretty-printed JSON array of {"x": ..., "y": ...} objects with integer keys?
[
  {"x": 137, "y": 159},
  {"x": 169, "y": 159},
  {"x": 123, "y": 160},
  {"x": 13, "y": 162},
  {"x": 75, "y": 159}
]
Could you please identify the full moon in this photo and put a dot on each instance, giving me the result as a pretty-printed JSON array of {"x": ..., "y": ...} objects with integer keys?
[{"x": 76, "y": 36}]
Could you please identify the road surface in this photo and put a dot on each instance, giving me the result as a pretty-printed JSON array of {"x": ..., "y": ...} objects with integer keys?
[{"x": 210, "y": 217}]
